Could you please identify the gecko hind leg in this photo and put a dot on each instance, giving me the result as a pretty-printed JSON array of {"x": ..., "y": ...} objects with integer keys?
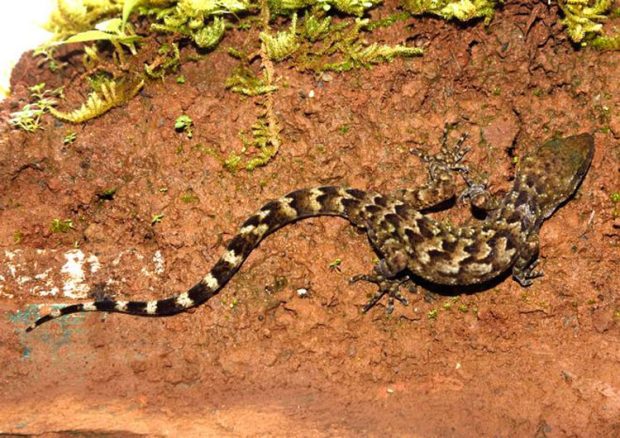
[
  {"x": 387, "y": 286},
  {"x": 388, "y": 283}
]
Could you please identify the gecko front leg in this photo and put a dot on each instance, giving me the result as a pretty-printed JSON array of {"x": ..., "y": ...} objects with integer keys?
[
  {"x": 524, "y": 269},
  {"x": 441, "y": 184}
]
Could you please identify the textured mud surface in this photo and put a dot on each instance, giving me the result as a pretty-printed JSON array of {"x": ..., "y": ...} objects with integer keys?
[{"x": 259, "y": 359}]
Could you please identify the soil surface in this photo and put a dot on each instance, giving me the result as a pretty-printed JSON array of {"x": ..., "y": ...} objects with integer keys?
[{"x": 262, "y": 358}]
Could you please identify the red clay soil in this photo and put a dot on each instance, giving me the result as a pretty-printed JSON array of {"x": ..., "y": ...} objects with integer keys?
[{"x": 259, "y": 359}]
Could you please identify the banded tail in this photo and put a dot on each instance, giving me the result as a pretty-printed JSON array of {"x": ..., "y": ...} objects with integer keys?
[{"x": 336, "y": 201}]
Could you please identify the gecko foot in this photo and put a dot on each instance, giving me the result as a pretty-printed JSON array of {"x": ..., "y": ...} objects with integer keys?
[
  {"x": 526, "y": 276},
  {"x": 448, "y": 159},
  {"x": 387, "y": 286}
]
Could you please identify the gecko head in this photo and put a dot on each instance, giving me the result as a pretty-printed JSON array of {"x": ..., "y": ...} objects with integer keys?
[{"x": 554, "y": 171}]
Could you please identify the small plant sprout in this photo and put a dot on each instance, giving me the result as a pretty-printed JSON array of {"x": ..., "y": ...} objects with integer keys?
[
  {"x": 107, "y": 194},
  {"x": 184, "y": 123},
  {"x": 335, "y": 264},
  {"x": 69, "y": 138},
  {"x": 42, "y": 101},
  {"x": 189, "y": 197},
  {"x": 433, "y": 314},
  {"x": 157, "y": 218},
  {"x": 61, "y": 225},
  {"x": 615, "y": 200},
  {"x": 18, "y": 236}
]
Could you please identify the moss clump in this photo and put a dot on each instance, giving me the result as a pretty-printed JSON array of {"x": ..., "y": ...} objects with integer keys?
[
  {"x": 111, "y": 94},
  {"x": 462, "y": 10},
  {"x": 244, "y": 81},
  {"x": 184, "y": 123},
  {"x": 583, "y": 18},
  {"x": 168, "y": 60},
  {"x": 61, "y": 225},
  {"x": 281, "y": 45}
]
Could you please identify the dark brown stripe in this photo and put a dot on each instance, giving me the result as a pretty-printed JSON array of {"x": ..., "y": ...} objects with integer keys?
[
  {"x": 350, "y": 204},
  {"x": 435, "y": 254},
  {"x": 299, "y": 201},
  {"x": 105, "y": 306},
  {"x": 167, "y": 306},
  {"x": 253, "y": 221},
  {"x": 403, "y": 210},
  {"x": 222, "y": 271},
  {"x": 359, "y": 194},
  {"x": 275, "y": 219},
  {"x": 380, "y": 200},
  {"x": 199, "y": 293},
  {"x": 425, "y": 228},
  {"x": 448, "y": 246},
  {"x": 414, "y": 238},
  {"x": 372, "y": 209},
  {"x": 73, "y": 308},
  {"x": 326, "y": 199},
  {"x": 393, "y": 219},
  {"x": 138, "y": 307},
  {"x": 242, "y": 245}
]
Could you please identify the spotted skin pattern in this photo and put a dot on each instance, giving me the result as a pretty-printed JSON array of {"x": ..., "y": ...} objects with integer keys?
[{"x": 406, "y": 239}]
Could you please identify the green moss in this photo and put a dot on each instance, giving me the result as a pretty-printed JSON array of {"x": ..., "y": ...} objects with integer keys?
[
  {"x": 615, "y": 199},
  {"x": 244, "y": 81},
  {"x": 111, "y": 94},
  {"x": 167, "y": 61},
  {"x": 232, "y": 162},
  {"x": 343, "y": 129},
  {"x": 42, "y": 101},
  {"x": 107, "y": 194},
  {"x": 388, "y": 21},
  {"x": 189, "y": 197},
  {"x": 157, "y": 218},
  {"x": 335, "y": 264},
  {"x": 462, "y": 10},
  {"x": 281, "y": 45},
  {"x": 606, "y": 42},
  {"x": 69, "y": 138},
  {"x": 61, "y": 225},
  {"x": 184, "y": 123},
  {"x": 18, "y": 236},
  {"x": 432, "y": 314},
  {"x": 583, "y": 18}
]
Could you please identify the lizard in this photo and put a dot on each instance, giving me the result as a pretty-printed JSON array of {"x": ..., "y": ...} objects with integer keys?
[{"x": 410, "y": 243}]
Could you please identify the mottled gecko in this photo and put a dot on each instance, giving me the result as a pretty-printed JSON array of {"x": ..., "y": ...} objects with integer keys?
[{"x": 407, "y": 241}]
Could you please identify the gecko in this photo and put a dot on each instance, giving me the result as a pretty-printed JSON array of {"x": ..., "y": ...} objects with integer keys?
[{"x": 409, "y": 243}]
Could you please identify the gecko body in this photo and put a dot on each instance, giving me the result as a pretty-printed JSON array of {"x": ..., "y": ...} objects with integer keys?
[{"x": 406, "y": 240}]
